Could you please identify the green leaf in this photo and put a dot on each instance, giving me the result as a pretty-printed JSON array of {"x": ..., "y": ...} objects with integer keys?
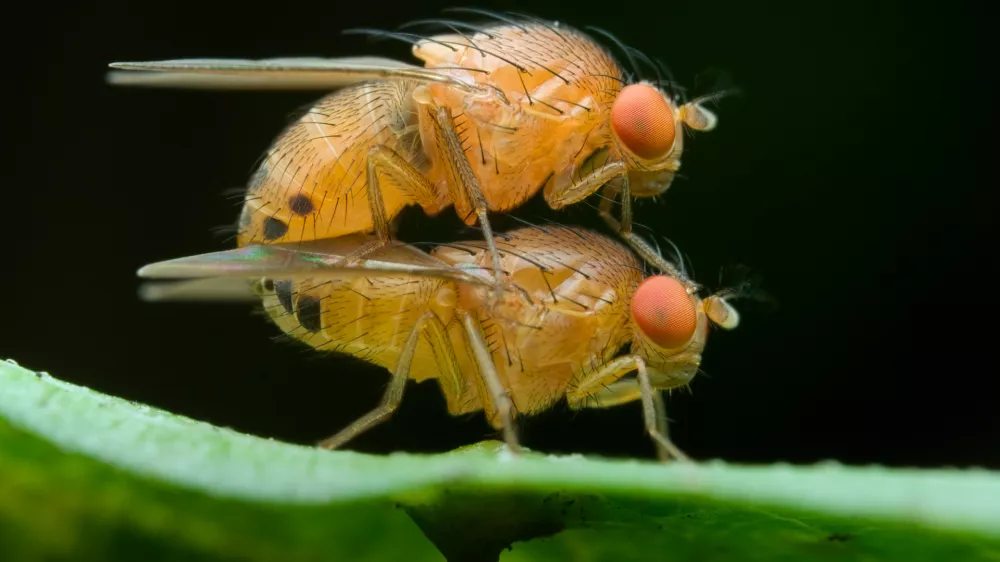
[{"x": 85, "y": 476}]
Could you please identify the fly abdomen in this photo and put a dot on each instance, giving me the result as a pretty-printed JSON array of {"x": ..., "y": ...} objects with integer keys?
[
  {"x": 311, "y": 183},
  {"x": 368, "y": 318},
  {"x": 297, "y": 307}
]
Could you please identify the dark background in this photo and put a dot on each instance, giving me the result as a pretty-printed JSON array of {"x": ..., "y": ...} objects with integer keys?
[{"x": 850, "y": 175}]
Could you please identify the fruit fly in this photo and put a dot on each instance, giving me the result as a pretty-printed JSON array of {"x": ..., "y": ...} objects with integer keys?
[
  {"x": 573, "y": 300},
  {"x": 496, "y": 113}
]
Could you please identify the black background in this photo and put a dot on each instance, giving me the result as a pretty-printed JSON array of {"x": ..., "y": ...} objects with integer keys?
[{"x": 850, "y": 175}]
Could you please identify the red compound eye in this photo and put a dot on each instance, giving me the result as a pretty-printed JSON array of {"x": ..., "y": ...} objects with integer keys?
[
  {"x": 644, "y": 121},
  {"x": 664, "y": 312}
]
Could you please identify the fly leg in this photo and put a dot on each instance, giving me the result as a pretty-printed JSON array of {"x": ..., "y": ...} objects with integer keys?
[
  {"x": 661, "y": 426},
  {"x": 590, "y": 184},
  {"x": 496, "y": 395},
  {"x": 604, "y": 388},
  {"x": 384, "y": 160},
  {"x": 614, "y": 394},
  {"x": 655, "y": 415},
  {"x": 638, "y": 245},
  {"x": 626, "y": 391},
  {"x": 585, "y": 186},
  {"x": 437, "y": 335},
  {"x": 393, "y": 394},
  {"x": 464, "y": 189}
]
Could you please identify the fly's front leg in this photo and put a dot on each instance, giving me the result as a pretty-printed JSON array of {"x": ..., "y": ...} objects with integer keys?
[
  {"x": 585, "y": 186},
  {"x": 626, "y": 391},
  {"x": 638, "y": 245},
  {"x": 382, "y": 159},
  {"x": 655, "y": 415},
  {"x": 590, "y": 184},
  {"x": 607, "y": 375},
  {"x": 603, "y": 389},
  {"x": 662, "y": 428},
  {"x": 464, "y": 187},
  {"x": 497, "y": 396},
  {"x": 615, "y": 394},
  {"x": 393, "y": 394}
]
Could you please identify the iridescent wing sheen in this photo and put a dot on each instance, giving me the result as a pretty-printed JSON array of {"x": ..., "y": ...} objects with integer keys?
[
  {"x": 313, "y": 259},
  {"x": 273, "y": 74}
]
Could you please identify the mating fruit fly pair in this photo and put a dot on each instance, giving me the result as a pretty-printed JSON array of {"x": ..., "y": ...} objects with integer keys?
[{"x": 510, "y": 323}]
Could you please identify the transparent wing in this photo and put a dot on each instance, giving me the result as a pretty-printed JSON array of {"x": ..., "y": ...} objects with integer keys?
[
  {"x": 216, "y": 289},
  {"x": 272, "y": 74},
  {"x": 314, "y": 259}
]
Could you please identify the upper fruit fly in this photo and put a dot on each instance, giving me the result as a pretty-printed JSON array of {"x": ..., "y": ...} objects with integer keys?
[
  {"x": 498, "y": 112},
  {"x": 578, "y": 313}
]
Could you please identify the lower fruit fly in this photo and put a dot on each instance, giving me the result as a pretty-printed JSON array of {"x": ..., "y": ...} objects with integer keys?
[
  {"x": 498, "y": 112},
  {"x": 573, "y": 300}
]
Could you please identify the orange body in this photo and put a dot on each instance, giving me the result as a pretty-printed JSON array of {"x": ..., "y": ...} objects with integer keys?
[
  {"x": 542, "y": 108},
  {"x": 312, "y": 185},
  {"x": 569, "y": 311},
  {"x": 532, "y": 126}
]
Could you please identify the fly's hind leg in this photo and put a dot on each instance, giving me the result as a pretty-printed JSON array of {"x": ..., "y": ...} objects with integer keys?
[
  {"x": 393, "y": 394},
  {"x": 464, "y": 189},
  {"x": 384, "y": 160},
  {"x": 604, "y": 389}
]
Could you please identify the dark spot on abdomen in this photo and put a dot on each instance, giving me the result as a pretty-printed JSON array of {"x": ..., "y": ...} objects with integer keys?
[
  {"x": 283, "y": 289},
  {"x": 309, "y": 312},
  {"x": 300, "y": 204},
  {"x": 274, "y": 228}
]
